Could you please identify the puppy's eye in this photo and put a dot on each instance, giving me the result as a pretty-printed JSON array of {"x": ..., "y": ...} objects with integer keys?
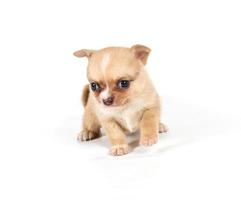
[
  {"x": 123, "y": 84},
  {"x": 95, "y": 87}
]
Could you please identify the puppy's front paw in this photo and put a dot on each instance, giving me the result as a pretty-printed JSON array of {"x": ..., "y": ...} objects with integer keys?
[
  {"x": 86, "y": 135},
  {"x": 162, "y": 128},
  {"x": 119, "y": 150},
  {"x": 148, "y": 140}
]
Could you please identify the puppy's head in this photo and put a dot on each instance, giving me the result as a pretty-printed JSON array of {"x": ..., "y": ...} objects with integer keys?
[{"x": 116, "y": 73}]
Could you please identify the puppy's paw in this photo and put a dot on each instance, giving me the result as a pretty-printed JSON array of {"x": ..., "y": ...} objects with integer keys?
[
  {"x": 162, "y": 128},
  {"x": 148, "y": 140},
  {"x": 119, "y": 150},
  {"x": 86, "y": 135}
]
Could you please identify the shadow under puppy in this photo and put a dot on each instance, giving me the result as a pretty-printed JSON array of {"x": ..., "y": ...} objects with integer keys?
[{"x": 120, "y": 97}]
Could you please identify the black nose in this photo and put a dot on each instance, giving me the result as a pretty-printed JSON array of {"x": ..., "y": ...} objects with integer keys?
[{"x": 109, "y": 101}]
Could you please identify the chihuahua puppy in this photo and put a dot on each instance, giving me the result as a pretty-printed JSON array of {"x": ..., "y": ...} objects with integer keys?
[{"x": 120, "y": 98}]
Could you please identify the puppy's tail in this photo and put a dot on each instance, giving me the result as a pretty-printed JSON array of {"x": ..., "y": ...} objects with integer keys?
[{"x": 85, "y": 95}]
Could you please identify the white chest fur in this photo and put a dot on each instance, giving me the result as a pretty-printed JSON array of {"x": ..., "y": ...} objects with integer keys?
[{"x": 128, "y": 116}]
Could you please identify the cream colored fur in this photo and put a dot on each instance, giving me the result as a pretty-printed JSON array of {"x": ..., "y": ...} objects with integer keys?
[{"x": 135, "y": 108}]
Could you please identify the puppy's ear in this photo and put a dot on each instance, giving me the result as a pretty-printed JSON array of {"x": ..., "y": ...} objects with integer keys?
[
  {"x": 141, "y": 52},
  {"x": 84, "y": 53}
]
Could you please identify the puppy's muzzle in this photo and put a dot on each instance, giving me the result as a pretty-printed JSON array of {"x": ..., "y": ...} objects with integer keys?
[{"x": 109, "y": 101}]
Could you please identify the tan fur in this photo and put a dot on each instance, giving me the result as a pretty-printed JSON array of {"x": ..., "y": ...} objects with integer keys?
[
  {"x": 85, "y": 95},
  {"x": 134, "y": 108}
]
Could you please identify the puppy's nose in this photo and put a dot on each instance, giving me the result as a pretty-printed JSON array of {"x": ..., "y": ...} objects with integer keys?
[{"x": 109, "y": 101}]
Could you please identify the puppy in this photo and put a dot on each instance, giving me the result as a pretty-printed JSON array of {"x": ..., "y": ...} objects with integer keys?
[{"x": 120, "y": 98}]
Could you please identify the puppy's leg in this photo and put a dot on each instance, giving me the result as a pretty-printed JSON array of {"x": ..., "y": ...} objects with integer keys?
[
  {"x": 162, "y": 128},
  {"x": 90, "y": 127},
  {"x": 117, "y": 138},
  {"x": 149, "y": 126}
]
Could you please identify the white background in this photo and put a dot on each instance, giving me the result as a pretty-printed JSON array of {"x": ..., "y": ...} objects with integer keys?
[{"x": 195, "y": 64}]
